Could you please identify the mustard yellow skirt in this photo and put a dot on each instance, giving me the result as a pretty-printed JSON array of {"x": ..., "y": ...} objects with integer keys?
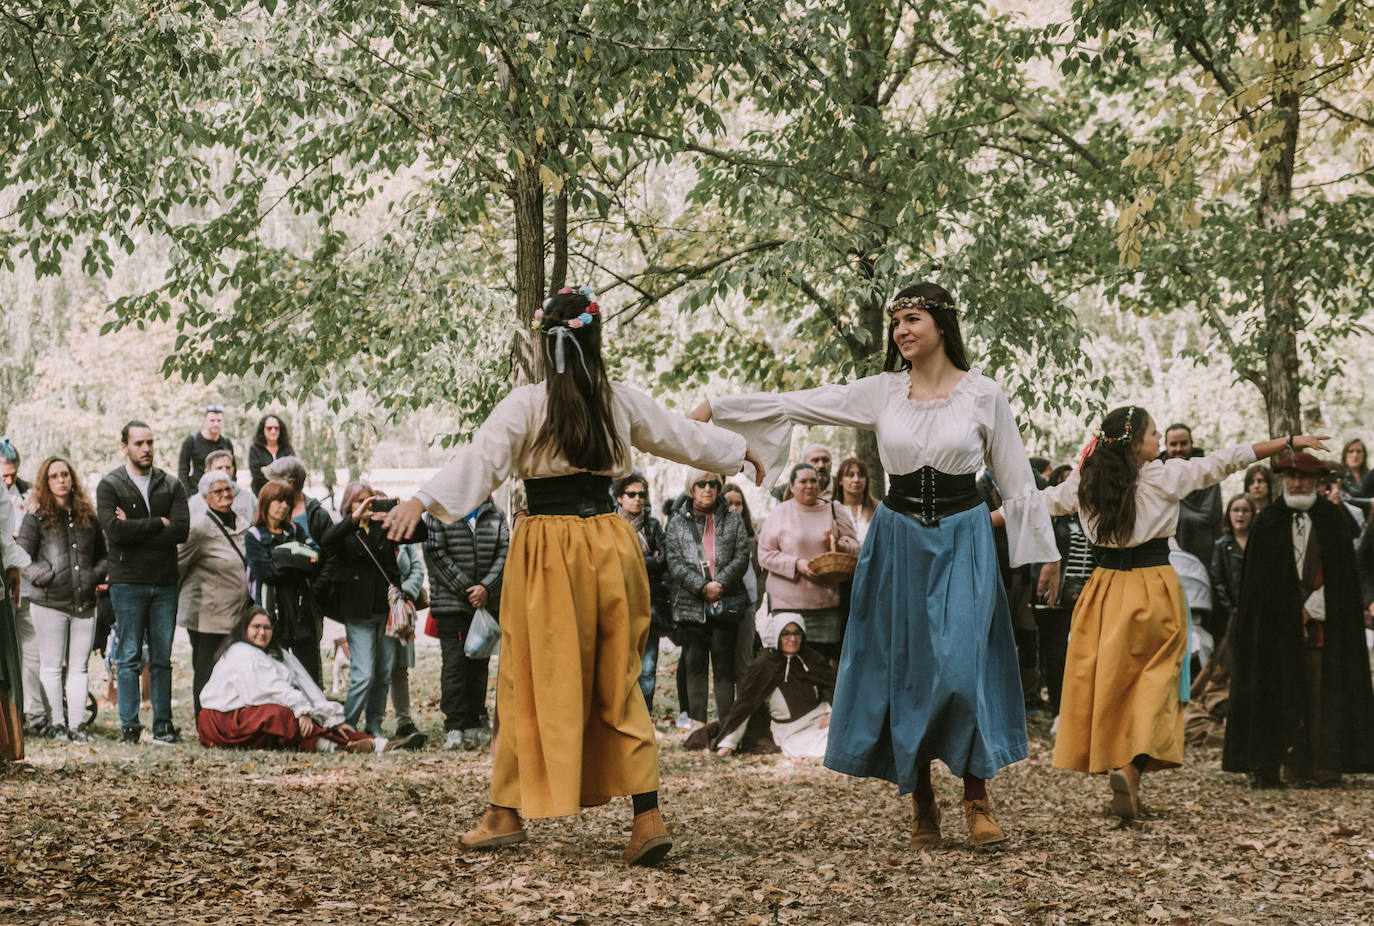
[
  {"x": 574, "y": 729},
  {"x": 1122, "y": 670}
]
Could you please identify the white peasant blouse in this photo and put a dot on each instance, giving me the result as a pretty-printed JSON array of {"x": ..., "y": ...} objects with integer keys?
[
  {"x": 1160, "y": 487},
  {"x": 504, "y": 446},
  {"x": 960, "y": 434},
  {"x": 247, "y": 676}
]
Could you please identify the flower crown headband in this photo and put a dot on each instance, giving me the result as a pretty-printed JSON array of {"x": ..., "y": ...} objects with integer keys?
[
  {"x": 1101, "y": 436},
  {"x": 562, "y": 330},
  {"x": 901, "y": 303}
]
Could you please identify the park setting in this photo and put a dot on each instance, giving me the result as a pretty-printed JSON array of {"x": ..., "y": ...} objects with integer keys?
[{"x": 912, "y": 457}]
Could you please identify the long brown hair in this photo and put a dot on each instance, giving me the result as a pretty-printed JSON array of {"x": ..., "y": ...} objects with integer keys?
[
  {"x": 578, "y": 422},
  {"x": 870, "y": 504},
  {"x": 939, "y": 305},
  {"x": 1108, "y": 476},
  {"x": 45, "y": 503},
  {"x": 353, "y": 493},
  {"x": 275, "y": 490},
  {"x": 1364, "y": 466}
]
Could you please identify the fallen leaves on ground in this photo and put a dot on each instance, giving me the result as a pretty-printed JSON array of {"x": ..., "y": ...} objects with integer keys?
[{"x": 124, "y": 835}]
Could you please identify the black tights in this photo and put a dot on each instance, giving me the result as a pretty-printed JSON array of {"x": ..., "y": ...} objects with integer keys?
[
  {"x": 648, "y": 800},
  {"x": 975, "y": 788}
]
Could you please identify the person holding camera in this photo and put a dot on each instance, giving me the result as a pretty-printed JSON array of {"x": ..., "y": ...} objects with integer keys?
[
  {"x": 708, "y": 552},
  {"x": 793, "y": 534},
  {"x": 363, "y": 569}
]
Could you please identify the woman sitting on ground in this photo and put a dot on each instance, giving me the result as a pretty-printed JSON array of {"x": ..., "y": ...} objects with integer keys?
[
  {"x": 793, "y": 682},
  {"x": 260, "y": 697}
]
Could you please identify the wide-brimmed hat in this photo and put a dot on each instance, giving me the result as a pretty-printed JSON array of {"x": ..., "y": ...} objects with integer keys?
[{"x": 1299, "y": 462}]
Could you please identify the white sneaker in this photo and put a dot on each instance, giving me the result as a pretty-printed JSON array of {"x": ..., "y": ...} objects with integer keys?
[
  {"x": 683, "y": 721},
  {"x": 454, "y": 739}
]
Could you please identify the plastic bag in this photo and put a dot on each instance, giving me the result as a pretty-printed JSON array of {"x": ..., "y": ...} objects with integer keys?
[{"x": 484, "y": 636}]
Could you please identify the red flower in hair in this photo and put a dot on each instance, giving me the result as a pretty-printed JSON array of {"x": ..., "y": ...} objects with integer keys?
[{"x": 594, "y": 309}]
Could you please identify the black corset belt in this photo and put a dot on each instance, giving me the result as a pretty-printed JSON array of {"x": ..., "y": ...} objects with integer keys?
[
  {"x": 581, "y": 494},
  {"x": 928, "y": 495},
  {"x": 1150, "y": 553}
]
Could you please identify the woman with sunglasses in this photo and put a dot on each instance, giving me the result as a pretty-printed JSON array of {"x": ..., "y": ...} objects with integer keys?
[
  {"x": 708, "y": 553},
  {"x": 929, "y": 667},
  {"x": 271, "y": 442},
  {"x": 575, "y": 610},
  {"x": 632, "y": 501}
]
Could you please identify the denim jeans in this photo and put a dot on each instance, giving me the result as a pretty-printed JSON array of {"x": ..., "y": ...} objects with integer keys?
[
  {"x": 369, "y": 673},
  {"x": 144, "y": 612},
  {"x": 648, "y": 669}
]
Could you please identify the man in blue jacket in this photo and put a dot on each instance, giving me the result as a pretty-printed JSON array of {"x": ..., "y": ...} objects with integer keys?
[{"x": 144, "y": 514}]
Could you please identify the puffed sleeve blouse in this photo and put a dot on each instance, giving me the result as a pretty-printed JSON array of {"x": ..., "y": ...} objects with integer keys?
[
  {"x": 504, "y": 446},
  {"x": 971, "y": 428},
  {"x": 1160, "y": 486}
]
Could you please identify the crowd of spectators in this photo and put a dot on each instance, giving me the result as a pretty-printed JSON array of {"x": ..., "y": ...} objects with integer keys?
[{"x": 252, "y": 573}]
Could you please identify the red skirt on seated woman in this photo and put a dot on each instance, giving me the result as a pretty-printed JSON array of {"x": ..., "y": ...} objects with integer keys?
[{"x": 263, "y": 726}]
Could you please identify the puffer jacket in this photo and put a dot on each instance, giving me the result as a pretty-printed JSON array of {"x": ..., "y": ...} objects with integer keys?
[
  {"x": 733, "y": 554},
  {"x": 457, "y": 559},
  {"x": 67, "y": 563}
]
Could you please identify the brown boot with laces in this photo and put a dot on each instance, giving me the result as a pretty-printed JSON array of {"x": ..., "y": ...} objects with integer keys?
[
  {"x": 649, "y": 840},
  {"x": 982, "y": 828},
  {"x": 925, "y": 826},
  {"x": 499, "y": 826}
]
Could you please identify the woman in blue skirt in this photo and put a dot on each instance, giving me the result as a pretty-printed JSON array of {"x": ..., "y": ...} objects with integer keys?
[{"x": 929, "y": 667}]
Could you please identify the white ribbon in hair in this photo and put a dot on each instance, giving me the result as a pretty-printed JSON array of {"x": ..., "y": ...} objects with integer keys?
[{"x": 561, "y": 335}]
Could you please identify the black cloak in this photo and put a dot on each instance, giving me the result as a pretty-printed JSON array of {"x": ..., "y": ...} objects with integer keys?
[{"x": 1267, "y": 720}]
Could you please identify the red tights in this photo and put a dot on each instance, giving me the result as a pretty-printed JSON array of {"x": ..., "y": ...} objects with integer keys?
[{"x": 975, "y": 788}]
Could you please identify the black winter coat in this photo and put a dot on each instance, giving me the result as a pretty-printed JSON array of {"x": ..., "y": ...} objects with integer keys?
[
  {"x": 362, "y": 567},
  {"x": 809, "y": 681},
  {"x": 1228, "y": 560},
  {"x": 281, "y": 582},
  {"x": 1267, "y": 724},
  {"x": 258, "y": 457},
  {"x": 457, "y": 559},
  {"x": 68, "y": 563},
  {"x": 142, "y": 550}
]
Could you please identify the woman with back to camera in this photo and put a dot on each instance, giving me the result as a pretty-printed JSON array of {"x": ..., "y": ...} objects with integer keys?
[
  {"x": 575, "y": 612},
  {"x": 1124, "y": 676},
  {"x": 929, "y": 667}
]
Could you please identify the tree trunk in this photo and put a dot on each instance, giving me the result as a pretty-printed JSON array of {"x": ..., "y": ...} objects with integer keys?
[
  {"x": 558, "y": 276},
  {"x": 527, "y": 194},
  {"x": 1282, "y": 398},
  {"x": 872, "y": 319}
]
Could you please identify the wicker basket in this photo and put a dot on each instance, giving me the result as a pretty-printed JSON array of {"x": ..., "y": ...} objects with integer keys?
[{"x": 834, "y": 567}]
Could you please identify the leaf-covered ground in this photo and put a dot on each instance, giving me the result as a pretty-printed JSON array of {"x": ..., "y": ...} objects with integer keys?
[{"x": 113, "y": 834}]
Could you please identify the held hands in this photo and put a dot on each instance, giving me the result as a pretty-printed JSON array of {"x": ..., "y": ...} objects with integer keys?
[
  {"x": 712, "y": 591},
  {"x": 703, "y": 413},
  {"x": 400, "y": 521},
  {"x": 1047, "y": 589}
]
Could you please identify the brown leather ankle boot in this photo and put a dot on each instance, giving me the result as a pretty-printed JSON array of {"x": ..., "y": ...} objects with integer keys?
[
  {"x": 649, "y": 840},
  {"x": 499, "y": 826},
  {"x": 1125, "y": 785},
  {"x": 982, "y": 828},
  {"x": 925, "y": 826}
]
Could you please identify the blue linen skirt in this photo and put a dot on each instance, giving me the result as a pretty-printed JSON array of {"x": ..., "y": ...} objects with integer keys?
[{"x": 929, "y": 666}]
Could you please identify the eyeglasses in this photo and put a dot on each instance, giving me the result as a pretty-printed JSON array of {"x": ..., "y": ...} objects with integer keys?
[
  {"x": 790, "y": 633},
  {"x": 636, "y": 494},
  {"x": 707, "y": 484},
  {"x": 271, "y": 427},
  {"x": 225, "y": 490}
]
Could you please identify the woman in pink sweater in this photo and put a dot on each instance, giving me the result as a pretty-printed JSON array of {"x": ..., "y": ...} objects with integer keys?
[{"x": 793, "y": 534}]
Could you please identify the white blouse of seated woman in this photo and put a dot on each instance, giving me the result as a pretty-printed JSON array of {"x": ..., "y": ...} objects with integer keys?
[{"x": 260, "y": 696}]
